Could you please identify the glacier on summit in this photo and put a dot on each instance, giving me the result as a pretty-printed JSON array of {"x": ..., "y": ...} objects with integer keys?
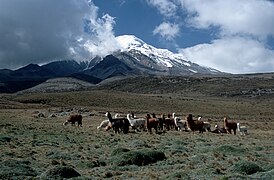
[{"x": 163, "y": 56}]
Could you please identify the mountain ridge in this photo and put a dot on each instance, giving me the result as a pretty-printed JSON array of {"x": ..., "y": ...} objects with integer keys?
[{"x": 134, "y": 58}]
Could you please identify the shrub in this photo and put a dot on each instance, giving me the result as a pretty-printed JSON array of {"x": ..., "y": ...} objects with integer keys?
[
  {"x": 246, "y": 167},
  {"x": 5, "y": 139},
  {"x": 140, "y": 158},
  {"x": 230, "y": 150},
  {"x": 15, "y": 168},
  {"x": 60, "y": 173}
]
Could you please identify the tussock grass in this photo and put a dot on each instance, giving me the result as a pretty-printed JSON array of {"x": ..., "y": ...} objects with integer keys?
[
  {"x": 246, "y": 167},
  {"x": 139, "y": 158},
  {"x": 13, "y": 169},
  {"x": 230, "y": 150},
  {"x": 60, "y": 172}
]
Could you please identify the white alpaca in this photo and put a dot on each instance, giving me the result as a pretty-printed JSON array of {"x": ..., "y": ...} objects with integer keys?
[
  {"x": 242, "y": 129},
  {"x": 180, "y": 124},
  {"x": 136, "y": 123},
  {"x": 103, "y": 124}
]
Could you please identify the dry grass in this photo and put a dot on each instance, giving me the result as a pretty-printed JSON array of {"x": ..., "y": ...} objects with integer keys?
[{"x": 31, "y": 146}]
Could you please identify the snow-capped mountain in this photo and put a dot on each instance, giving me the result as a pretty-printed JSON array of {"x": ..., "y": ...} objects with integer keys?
[
  {"x": 160, "y": 59},
  {"x": 165, "y": 57},
  {"x": 134, "y": 58}
]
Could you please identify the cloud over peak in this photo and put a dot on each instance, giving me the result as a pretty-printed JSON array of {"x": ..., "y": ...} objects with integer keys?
[{"x": 36, "y": 31}]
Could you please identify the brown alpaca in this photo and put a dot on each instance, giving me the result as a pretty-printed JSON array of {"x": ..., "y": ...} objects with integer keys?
[
  {"x": 74, "y": 118},
  {"x": 169, "y": 122},
  {"x": 230, "y": 126},
  {"x": 194, "y": 125},
  {"x": 152, "y": 123}
]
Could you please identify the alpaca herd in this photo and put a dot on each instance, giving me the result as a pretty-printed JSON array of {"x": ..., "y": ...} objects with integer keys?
[{"x": 152, "y": 123}]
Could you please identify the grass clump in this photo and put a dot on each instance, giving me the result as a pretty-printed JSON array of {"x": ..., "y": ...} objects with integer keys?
[
  {"x": 119, "y": 151},
  {"x": 60, "y": 172},
  {"x": 246, "y": 167},
  {"x": 11, "y": 169},
  {"x": 139, "y": 158},
  {"x": 230, "y": 150},
  {"x": 177, "y": 175},
  {"x": 4, "y": 139}
]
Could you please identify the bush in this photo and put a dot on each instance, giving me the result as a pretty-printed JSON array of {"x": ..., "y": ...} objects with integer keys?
[
  {"x": 14, "y": 168},
  {"x": 139, "y": 158},
  {"x": 230, "y": 150},
  {"x": 60, "y": 173},
  {"x": 5, "y": 139},
  {"x": 246, "y": 167}
]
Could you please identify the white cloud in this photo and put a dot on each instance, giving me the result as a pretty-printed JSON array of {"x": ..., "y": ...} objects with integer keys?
[
  {"x": 38, "y": 31},
  {"x": 103, "y": 41},
  {"x": 244, "y": 27},
  {"x": 167, "y": 30},
  {"x": 248, "y": 17},
  {"x": 233, "y": 55},
  {"x": 166, "y": 7}
]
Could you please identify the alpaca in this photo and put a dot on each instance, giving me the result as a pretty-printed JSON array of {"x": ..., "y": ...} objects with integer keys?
[
  {"x": 152, "y": 123},
  {"x": 230, "y": 126},
  {"x": 74, "y": 118},
  {"x": 219, "y": 130},
  {"x": 180, "y": 124},
  {"x": 194, "y": 125},
  {"x": 242, "y": 129},
  {"x": 168, "y": 122},
  {"x": 161, "y": 121},
  {"x": 118, "y": 123},
  {"x": 207, "y": 127},
  {"x": 136, "y": 123},
  {"x": 103, "y": 124}
]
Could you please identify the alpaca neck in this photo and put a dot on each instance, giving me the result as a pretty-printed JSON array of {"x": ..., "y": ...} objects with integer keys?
[
  {"x": 128, "y": 117},
  {"x": 110, "y": 118}
]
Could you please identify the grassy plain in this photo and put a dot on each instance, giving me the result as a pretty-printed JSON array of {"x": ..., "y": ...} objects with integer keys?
[{"x": 32, "y": 145}]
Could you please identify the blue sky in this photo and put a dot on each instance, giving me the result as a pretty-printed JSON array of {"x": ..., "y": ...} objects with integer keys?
[
  {"x": 235, "y": 36},
  {"x": 139, "y": 18}
]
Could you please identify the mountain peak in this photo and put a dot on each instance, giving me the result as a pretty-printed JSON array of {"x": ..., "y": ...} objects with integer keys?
[
  {"x": 128, "y": 42},
  {"x": 163, "y": 57}
]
